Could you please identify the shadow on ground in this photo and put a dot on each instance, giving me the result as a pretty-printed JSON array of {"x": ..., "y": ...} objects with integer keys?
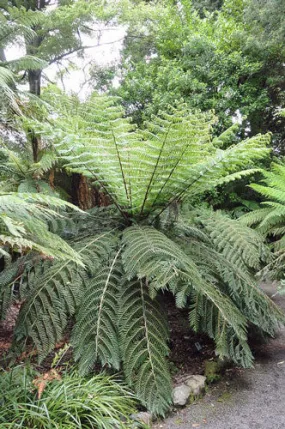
[{"x": 245, "y": 399}]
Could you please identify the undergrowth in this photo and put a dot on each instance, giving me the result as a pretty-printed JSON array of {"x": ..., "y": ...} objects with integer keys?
[{"x": 51, "y": 401}]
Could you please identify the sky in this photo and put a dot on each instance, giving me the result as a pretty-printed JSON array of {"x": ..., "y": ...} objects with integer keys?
[{"x": 72, "y": 80}]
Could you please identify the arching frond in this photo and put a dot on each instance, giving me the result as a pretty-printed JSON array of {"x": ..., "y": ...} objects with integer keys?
[
  {"x": 143, "y": 340},
  {"x": 53, "y": 291},
  {"x": 150, "y": 254},
  {"x": 143, "y": 171},
  {"x": 270, "y": 219},
  {"x": 23, "y": 224},
  {"x": 95, "y": 335}
]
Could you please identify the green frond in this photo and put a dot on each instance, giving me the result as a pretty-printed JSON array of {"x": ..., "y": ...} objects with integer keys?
[
  {"x": 95, "y": 336},
  {"x": 144, "y": 170},
  {"x": 53, "y": 291},
  {"x": 28, "y": 62},
  {"x": 205, "y": 317},
  {"x": 143, "y": 341},
  {"x": 17, "y": 22},
  {"x": 270, "y": 219},
  {"x": 12, "y": 272},
  {"x": 24, "y": 224},
  {"x": 277, "y": 194},
  {"x": 221, "y": 165},
  {"x": 227, "y": 137},
  {"x": 254, "y": 217},
  {"x": 47, "y": 161},
  {"x": 151, "y": 255},
  {"x": 240, "y": 245},
  {"x": 51, "y": 295},
  {"x": 6, "y": 78},
  {"x": 7, "y": 90}
]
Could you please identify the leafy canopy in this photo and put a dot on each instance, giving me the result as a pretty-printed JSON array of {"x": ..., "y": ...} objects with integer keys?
[{"x": 143, "y": 171}]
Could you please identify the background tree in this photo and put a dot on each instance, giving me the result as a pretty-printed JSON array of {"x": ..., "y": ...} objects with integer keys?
[
  {"x": 58, "y": 30},
  {"x": 223, "y": 61}
]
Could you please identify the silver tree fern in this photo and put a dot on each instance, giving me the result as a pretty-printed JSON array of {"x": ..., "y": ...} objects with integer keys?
[{"x": 145, "y": 243}]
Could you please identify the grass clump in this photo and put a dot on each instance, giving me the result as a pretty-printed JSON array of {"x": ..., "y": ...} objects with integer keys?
[{"x": 64, "y": 402}]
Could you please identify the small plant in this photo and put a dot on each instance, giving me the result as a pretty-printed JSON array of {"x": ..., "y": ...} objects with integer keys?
[
  {"x": 65, "y": 402},
  {"x": 212, "y": 371}
]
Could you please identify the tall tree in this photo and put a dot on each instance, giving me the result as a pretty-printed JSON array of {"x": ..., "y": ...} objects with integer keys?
[
  {"x": 230, "y": 60},
  {"x": 60, "y": 30}
]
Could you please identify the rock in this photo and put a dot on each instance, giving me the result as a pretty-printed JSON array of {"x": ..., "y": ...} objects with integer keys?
[
  {"x": 196, "y": 384},
  {"x": 143, "y": 417},
  {"x": 193, "y": 385},
  {"x": 181, "y": 395}
]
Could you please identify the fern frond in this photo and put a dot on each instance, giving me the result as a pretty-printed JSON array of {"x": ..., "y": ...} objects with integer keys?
[
  {"x": 52, "y": 292},
  {"x": 23, "y": 224},
  {"x": 238, "y": 244},
  {"x": 12, "y": 272},
  {"x": 254, "y": 217},
  {"x": 204, "y": 317},
  {"x": 145, "y": 170},
  {"x": 95, "y": 336},
  {"x": 143, "y": 340},
  {"x": 28, "y": 62},
  {"x": 150, "y": 254},
  {"x": 270, "y": 219}
]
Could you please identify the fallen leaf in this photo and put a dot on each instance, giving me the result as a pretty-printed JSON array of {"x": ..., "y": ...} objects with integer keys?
[{"x": 41, "y": 381}]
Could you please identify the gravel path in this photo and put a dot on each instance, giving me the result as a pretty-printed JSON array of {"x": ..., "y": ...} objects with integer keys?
[{"x": 245, "y": 399}]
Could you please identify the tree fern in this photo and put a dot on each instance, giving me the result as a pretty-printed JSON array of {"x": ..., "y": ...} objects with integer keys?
[
  {"x": 147, "y": 242},
  {"x": 15, "y": 24}
]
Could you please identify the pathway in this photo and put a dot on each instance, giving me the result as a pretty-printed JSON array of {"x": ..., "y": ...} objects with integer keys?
[{"x": 245, "y": 399}]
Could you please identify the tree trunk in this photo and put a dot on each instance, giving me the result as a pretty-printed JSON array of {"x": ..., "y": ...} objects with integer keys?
[
  {"x": 84, "y": 195},
  {"x": 2, "y": 55}
]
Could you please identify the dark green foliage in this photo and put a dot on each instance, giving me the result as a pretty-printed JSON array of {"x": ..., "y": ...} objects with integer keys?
[
  {"x": 222, "y": 55},
  {"x": 52, "y": 293},
  {"x": 95, "y": 336}
]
